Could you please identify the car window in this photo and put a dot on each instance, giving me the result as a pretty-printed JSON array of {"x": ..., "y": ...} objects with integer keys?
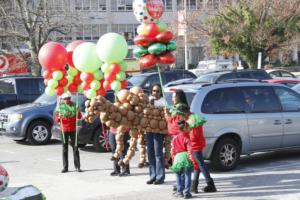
[
  {"x": 297, "y": 88},
  {"x": 210, "y": 78},
  {"x": 28, "y": 86},
  {"x": 185, "y": 74},
  {"x": 286, "y": 74},
  {"x": 260, "y": 75},
  {"x": 275, "y": 74},
  {"x": 243, "y": 75},
  {"x": 41, "y": 86},
  {"x": 225, "y": 77},
  {"x": 7, "y": 86},
  {"x": 171, "y": 77},
  {"x": 289, "y": 84},
  {"x": 151, "y": 80},
  {"x": 225, "y": 100},
  {"x": 261, "y": 99},
  {"x": 289, "y": 99},
  {"x": 137, "y": 80}
]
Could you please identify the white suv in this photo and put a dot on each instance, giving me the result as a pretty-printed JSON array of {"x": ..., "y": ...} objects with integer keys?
[{"x": 243, "y": 118}]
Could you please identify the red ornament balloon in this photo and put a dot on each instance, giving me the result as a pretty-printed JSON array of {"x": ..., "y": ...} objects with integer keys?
[
  {"x": 151, "y": 29},
  {"x": 87, "y": 77},
  {"x": 77, "y": 80},
  {"x": 70, "y": 48},
  {"x": 59, "y": 91},
  {"x": 63, "y": 82},
  {"x": 114, "y": 68},
  {"x": 47, "y": 74},
  {"x": 143, "y": 40},
  {"x": 101, "y": 92},
  {"x": 167, "y": 58},
  {"x": 155, "y": 8},
  {"x": 85, "y": 86},
  {"x": 165, "y": 37},
  {"x": 106, "y": 85},
  {"x": 110, "y": 77},
  {"x": 148, "y": 61},
  {"x": 53, "y": 56},
  {"x": 124, "y": 84},
  {"x": 72, "y": 88}
]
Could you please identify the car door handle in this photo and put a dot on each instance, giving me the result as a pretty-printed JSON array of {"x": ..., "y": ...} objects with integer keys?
[
  {"x": 288, "y": 121},
  {"x": 277, "y": 122}
]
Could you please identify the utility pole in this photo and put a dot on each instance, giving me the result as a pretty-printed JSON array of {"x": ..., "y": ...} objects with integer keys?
[{"x": 186, "y": 66}]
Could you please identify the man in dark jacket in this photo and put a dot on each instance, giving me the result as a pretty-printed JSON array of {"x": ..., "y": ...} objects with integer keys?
[{"x": 66, "y": 115}]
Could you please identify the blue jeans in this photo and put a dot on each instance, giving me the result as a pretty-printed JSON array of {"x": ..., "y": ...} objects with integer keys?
[
  {"x": 200, "y": 161},
  {"x": 113, "y": 146},
  {"x": 184, "y": 185},
  {"x": 155, "y": 142}
]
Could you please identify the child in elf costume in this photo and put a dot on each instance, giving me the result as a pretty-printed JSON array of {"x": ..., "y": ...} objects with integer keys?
[{"x": 66, "y": 114}]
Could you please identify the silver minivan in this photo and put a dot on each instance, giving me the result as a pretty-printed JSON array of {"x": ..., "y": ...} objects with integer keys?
[{"x": 244, "y": 117}]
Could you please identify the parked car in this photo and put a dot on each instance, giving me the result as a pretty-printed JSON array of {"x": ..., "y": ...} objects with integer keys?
[
  {"x": 243, "y": 118},
  {"x": 287, "y": 82},
  {"x": 145, "y": 80},
  {"x": 279, "y": 73},
  {"x": 212, "y": 65},
  {"x": 221, "y": 76},
  {"x": 15, "y": 90},
  {"x": 89, "y": 133},
  {"x": 31, "y": 121},
  {"x": 296, "y": 88}
]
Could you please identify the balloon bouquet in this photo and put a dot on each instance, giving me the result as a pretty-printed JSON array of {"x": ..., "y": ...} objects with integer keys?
[{"x": 93, "y": 68}]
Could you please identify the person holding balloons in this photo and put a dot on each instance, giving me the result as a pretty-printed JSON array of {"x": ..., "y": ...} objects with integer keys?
[{"x": 66, "y": 115}]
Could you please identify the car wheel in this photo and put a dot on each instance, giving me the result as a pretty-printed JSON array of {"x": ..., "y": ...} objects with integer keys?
[
  {"x": 39, "y": 132},
  {"x": 99, "y": 141},
  {"x": 226, "y": 155}
]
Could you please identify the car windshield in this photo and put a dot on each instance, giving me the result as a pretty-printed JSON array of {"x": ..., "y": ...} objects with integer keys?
[
  {"x": 211, "y": 78},
  {"x": 45, "y": 99},
  {"x": 137, "y": 80}
]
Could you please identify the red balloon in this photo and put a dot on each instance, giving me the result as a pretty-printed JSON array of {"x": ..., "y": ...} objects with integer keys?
[
  {"x": 142, "y": 40},
  {"x": 63, "y": 82},
  {"x": 155, "y": 8},
  {"x": 77, "y": 80},
  {"x": 151, "y": 29},
  {"x": 72, "y": 88},
  {"x": 115, "y": 68},
  {"x": 53, "y": 56},
  {"x": 59, "y": 91},
  {"x": 85, "y": 86},
  {"x": 70, "y": 48},
  {"x": 167, "y": 58},
  {"x": 101, "y": 92},
  {"x": 165, "y": 37},
  {"x": 87, "y": 77},
  {"x": 124, "y": 84},
  {"x": 106, "y": 85},
  {"x": 110, "y": 77},
  {"x": 148, "y": 61},
  {"x": 47, "y": 74}
]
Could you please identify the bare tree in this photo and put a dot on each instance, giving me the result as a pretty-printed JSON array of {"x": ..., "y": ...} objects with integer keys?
[{"x": 34, "y": 22}]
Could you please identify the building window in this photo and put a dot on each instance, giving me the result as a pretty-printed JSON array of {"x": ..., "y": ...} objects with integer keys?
[
  {"x": 127, "y": 30},
  {"x": 121, "y": 5},
  {"x": 168, "y": 4},
  {"x": 95, "y": 5},
  {"x": 79, "y": 32},
  {"x": 192, "y": 4}
]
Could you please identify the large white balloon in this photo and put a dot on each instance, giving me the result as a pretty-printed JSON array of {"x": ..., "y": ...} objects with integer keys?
[{"x": 140, "y": 11}]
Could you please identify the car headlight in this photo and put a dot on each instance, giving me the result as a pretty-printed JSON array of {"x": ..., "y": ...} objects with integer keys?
[{"x": 15, "y": 117}]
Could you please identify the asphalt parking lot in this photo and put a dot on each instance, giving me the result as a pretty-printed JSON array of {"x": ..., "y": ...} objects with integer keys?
[{"x": 261, "y": 176}]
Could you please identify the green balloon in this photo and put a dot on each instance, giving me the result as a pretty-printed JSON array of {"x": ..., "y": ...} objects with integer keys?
[
  {"x": 79, "y": 89},
  {"x": 72, "y": 71},
  {"x": 162, "y": 26},
  {"x": 115, "y": 85},
  {"x": 91, "y": 94},
  {"x": 123, "y": 66},
  {"x": 139, "y": 52},
  {"x": 95, "y": 85},
  {"x": 49, "y": 91},
  {"x": 121, "y": 76},
  {"x": 85, "y": 57},
  {"x": 70, "y": 79},
  {"x": 112, "y": 48},
  {"x": 57, "y": 75},
  {"x": 98, "y": 75},
  {"x": 171, "y": 46},
  {"x": 52, "y": 83},
  {"x": 105, "y": 68},
  {"x": 157, "y": 48}
]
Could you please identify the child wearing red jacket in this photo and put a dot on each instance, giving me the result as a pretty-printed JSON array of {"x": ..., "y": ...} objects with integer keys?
[{"x": 65, "y": 115}]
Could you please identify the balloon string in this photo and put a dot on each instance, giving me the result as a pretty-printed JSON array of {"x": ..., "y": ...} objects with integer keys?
[{"x": 162, "y": 86}]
